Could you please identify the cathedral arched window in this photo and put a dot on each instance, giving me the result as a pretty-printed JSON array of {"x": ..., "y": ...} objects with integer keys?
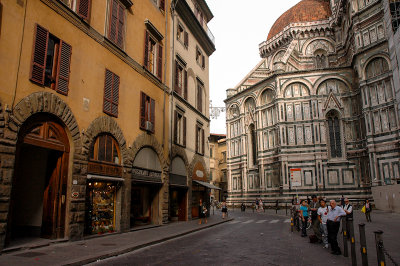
[
  {"x": 252, "y": 145},
  {"x": 335, "y": 142},
  {"x": 376, "y": 67},
  {"x": 320, "y": 59}
]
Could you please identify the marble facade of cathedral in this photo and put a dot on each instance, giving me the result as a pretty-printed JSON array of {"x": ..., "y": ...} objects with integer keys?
[{"x": 318, "y": 114}]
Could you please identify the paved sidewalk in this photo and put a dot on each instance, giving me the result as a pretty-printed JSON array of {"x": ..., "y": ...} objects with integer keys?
[{"x": 90, "y": 250}]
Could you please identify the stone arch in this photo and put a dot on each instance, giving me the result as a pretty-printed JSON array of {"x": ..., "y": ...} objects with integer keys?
[
  {"x": 231, "y": 113},
  {"x": 372, "y": 58},
  {"x": 305, "y": 83},
  {"x": 180, "y": 152},
  {"x": 261, "y": 95},
  {"x": 313, "y": 44},
  {"x": 105, "y": 124},
  {"x": 248, "y": 98},
  {"x": 197, "y": 159},
  {"x": 321, "y": 80},
  {"x": 150, "y": 141},
  {"x": 44, "y": 102}
]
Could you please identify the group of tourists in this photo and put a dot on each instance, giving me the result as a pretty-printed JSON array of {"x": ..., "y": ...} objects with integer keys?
[
  {"x": 325, "y": 218},
  {"x": 259, "y": 205}
]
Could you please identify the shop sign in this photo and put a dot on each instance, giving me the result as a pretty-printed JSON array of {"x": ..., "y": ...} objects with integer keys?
[
  {"x": 104, "y": 169},
  {"x": 145, "y": 173},
  {"x": 295, "y": 177},
  {"x": 75, "y": 195},
  {"x": 199, "y": 172}
]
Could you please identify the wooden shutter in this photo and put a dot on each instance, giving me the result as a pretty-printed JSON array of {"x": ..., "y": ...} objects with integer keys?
[
  {"x": 63, "y": 68},
  {"x": 176, "y": 127},
  {"x": 186, "y": 39},
  {"x": 146, "y": 49},
  {"x": 197, "y": 139},
  {"x": 199, "y": 98},
  {"x": 203, "y": 61},
  {"x": 162, "y": 5},
  {"x": 142, "y": 114},
  {"x": 184, "y": 131},
  {"x": 159, "y": 61},
  {"x": 177, "y": 88},
  {"x": 202, "y": 141},
  {"x": 83, "y": 9},
  {"x": 108, "y": 85},
  {"x": 112, "y": 33},
  {"x": 39, "y": 55},
  {"x": 120, "y": 28},
  {"x": 115, "y": 96},
  {"x": 153, "y": 114},
  {"x": 185, "y": 80}
]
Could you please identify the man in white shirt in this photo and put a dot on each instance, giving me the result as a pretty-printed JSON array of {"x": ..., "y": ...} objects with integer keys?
[
  {"x": 348, "y": 209},
  {"x": 333, "y": 224},
  {"x": 323, "y": 217}
]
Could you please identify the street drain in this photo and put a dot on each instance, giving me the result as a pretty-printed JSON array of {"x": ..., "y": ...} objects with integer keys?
[
  {"x": 108, "y": 244},
  {"x": 30, "y": 254}
]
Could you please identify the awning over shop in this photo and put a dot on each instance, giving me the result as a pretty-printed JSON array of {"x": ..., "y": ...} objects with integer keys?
[
  {"x": 205, "y": 184},
  {"x": 105, "y": 178}
]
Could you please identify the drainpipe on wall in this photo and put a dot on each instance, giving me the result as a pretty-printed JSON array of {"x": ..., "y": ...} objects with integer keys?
[
  {"x": 165, "y": 71},
  {"x": 19, "y": 64}
]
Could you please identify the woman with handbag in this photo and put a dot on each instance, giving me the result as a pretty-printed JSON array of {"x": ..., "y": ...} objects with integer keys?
[
  {"x": 202, "y": 211},
  {"x": 367, "y": 210}
]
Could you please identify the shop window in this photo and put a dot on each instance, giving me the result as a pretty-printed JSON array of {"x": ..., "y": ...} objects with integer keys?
[
  {"x": 111, "y": 93},
  {"x": 200, "y": 59},
  {"x": 335, "y": 142},
  {"x": 51, "y": 59},
  {"x": 395, "y": 12},
  {"x": 80, "y": 7},
  {"x": 105, "y": 149},
  {"x": 199, "y": 93},
  {"x": 153, "y": 54},
  {"x": 181, "y": 80},
  {"x": 180, "y": 129},
  {"x": 116, "y": 23},
  {"x": 199, "y": 139},
  {"x": 100, "y": 202},
  {"x": 147, "y": 113}
]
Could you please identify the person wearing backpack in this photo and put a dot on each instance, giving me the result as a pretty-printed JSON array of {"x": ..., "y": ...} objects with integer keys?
[{"x": 314, "y": 205}]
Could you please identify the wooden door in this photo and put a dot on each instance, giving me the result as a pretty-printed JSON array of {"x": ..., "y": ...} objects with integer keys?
[
  {"x": 39, "y": 131},
  {"x": 182, "y": 205}
]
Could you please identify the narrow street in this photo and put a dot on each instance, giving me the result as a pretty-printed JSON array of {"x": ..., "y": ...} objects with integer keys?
[{"x": 251, "y": 238}]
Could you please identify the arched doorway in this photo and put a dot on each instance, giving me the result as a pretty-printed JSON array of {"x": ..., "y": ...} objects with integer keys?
[
  {"x": 38, "y": 199},
  {"x": 178, "y": 189},
  {"x": 145, "y": 189}
]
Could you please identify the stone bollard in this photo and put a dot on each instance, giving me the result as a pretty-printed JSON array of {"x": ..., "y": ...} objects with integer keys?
[
  {"x": 363, "y": 245},
  {"x": 350, "y": 227},
  {"x": 344, "y": 229},
  {"x": 379, "y": 248}
]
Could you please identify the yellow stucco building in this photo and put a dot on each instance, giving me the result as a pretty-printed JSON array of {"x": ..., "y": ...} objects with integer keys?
[{"x": 84, "y": 116}]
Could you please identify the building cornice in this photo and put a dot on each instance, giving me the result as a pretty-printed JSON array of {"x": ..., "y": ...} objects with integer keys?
[{"x": 187, "y": 15}]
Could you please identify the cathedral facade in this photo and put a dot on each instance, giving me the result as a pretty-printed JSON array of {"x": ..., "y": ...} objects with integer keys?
[{"x": 318, "y": 114}]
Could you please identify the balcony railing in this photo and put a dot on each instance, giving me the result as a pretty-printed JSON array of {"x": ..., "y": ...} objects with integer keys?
[{"x": 203, "y": 22}]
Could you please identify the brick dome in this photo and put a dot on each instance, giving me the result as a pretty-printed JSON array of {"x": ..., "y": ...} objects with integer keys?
[{"x": 305, "y": 11}]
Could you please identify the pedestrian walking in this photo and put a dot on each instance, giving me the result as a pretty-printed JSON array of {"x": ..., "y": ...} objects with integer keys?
[
  {"x": 304, "y": 217},
  {"x": 260, "y": 205},
  {"x": 202, "y": 211},
  {"x": 333, "y": 224},
  {"x": 348, "y": 209},
  {"x": 367, "y": 210},
  {"x": 323, "y": 217},
  {"x": 243, "y": 207},
  {"x": 224, "y": 210},
  {"x": 257, "y": 204},
  {"x": 314, "y": 217}
]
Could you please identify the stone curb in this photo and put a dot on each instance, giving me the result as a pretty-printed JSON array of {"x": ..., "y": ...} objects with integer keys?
[{"x": 136, "y": 247}]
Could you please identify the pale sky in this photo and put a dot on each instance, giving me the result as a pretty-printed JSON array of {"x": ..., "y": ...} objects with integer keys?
[{"x": 239, "y": 27}]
